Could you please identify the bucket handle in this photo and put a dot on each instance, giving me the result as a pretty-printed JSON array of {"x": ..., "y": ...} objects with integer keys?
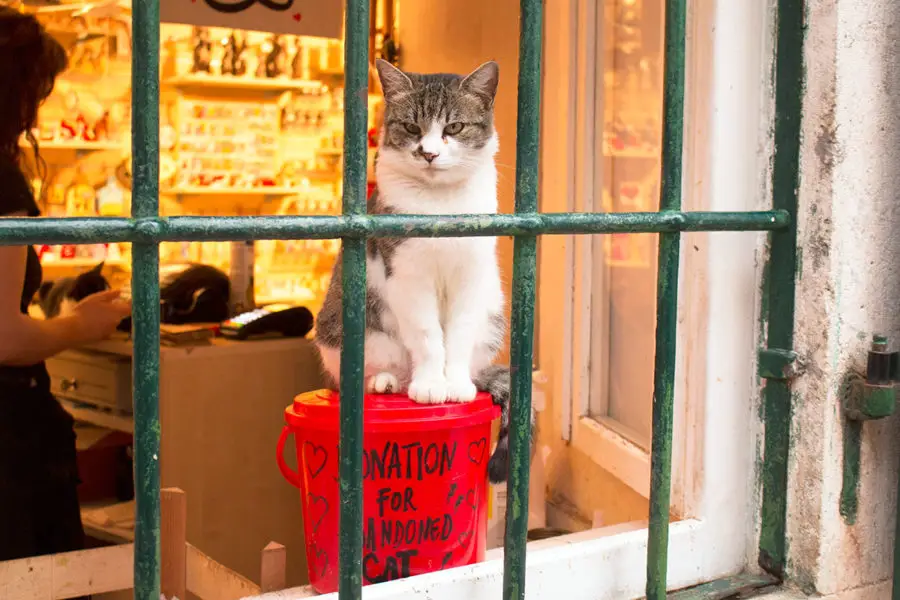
[{"x": 292, "y": 476}]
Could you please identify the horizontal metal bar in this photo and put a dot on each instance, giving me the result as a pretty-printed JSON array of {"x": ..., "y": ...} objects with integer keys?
[{"x": 180, "y": 229}]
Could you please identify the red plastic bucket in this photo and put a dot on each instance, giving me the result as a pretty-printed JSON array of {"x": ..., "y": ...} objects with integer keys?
[{"x": 424, "y": 484}]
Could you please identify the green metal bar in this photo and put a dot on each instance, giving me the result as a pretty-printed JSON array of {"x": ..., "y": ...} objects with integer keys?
[
  {"x": 737, "y": 586},
  {"x": 895, "y": 586},
  {"x": 782, "y": 268},
  {"x": 145, "y": 294},
  {"x": 666, "y": 302},
  {"x": 523, "y": 298},
  {"x": 356, "y": 106},
  {"x": 174, "y": 229}
]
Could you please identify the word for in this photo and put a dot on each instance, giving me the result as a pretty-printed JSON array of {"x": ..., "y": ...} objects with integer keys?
[{"x": 399, "y": 501}]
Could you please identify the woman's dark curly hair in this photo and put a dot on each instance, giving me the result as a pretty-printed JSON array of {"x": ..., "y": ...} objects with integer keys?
[{"x": 30, "y": 61}]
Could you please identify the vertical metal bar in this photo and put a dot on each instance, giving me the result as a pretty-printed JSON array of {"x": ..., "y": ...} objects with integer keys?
[
  {"x": 782, "y": 268},
  {"x": 145, "y": 294},
  {"x": 356, "y": 106},
  {"x": 666, "y": 302},
  {"x": 895, "y": 590},
  {"x": 523, "y": 294}
]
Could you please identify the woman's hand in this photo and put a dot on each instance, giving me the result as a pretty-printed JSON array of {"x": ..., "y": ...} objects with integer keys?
[{"x": 99, "y": 314}]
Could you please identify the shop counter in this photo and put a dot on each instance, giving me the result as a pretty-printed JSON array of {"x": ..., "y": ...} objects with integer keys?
[{"x": 221, "y": 413}]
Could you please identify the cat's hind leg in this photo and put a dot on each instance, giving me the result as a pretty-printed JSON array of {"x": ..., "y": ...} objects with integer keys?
[
  {"x": 387, "y": 364},
  {"x": 384, "y": 382}
]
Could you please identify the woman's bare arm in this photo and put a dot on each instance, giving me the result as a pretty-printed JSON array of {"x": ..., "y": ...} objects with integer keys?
[{"x": 23, "y": 340}]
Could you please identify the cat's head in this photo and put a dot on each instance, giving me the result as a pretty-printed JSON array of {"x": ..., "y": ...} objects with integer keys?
[
  {"x": 87, "y": 283},
  {"x": 437, "y": 128}
]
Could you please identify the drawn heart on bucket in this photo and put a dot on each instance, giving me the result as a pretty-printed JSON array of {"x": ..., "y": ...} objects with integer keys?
[
  {"x": 318, "y": 508},
  {"x": 476, "y": 451},
  {"x": 322, "y": 559},
  {"x": 315, "y": 457},
  {"x": 464, "y": 537}
]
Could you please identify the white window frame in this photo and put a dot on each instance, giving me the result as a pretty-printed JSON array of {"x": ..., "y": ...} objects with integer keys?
[
  {"x": 727, "y": 150},
  {"x": 602, "y": 438}
]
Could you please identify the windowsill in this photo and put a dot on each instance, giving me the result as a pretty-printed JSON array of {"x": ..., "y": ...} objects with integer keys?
[{"x": 596, "y": 555}]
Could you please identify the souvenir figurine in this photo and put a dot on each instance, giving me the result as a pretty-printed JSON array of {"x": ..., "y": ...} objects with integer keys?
[
  {"x": 262, "y": 54},
  {"x": 233, "y": 62},
  {"x": 297, "y": 70},
  {"x": 101, "y": 127},
  {"x": 202, "y": 50},
  {"x": 275, "y": 59},
  {"x": 390, "y": 52}
]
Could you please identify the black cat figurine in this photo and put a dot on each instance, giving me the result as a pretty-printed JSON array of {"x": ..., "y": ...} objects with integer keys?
[
  {"x": 202, "y": 50},
  {"x": 57, "y": 298},
  {"x": 275, "y": 59},
  {"x": 297, "y": 60},
  {"x": 233, "y": 62}
]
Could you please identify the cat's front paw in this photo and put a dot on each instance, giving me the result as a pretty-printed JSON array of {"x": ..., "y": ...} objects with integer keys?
[
  {"x": 460, "y": 389},
  {"x": 428, "y": 390}
]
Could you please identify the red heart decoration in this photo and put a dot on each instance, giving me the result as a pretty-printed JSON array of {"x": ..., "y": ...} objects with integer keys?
[
  {"x": 629, "y": 191},
  {"x": 297, "y": 17}
]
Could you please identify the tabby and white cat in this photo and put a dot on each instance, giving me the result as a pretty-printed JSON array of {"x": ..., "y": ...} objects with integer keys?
[
  {"x": 434, "y": 307},
  {"x": 58, "y": 298}
]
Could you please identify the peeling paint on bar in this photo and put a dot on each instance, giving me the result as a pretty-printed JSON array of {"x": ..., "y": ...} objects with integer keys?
[
  {"x": 145, "y": 295},
  {"x": 666, "y": 303},
  {"x": 174, "y": 229},
  {"x": 523, "y": 297},
  {"x": 356, "y": 81}
]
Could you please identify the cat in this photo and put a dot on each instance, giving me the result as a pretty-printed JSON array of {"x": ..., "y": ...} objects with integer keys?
[
  {"x": 58, "y": 298},
  {"x": 434, "y": 307}
]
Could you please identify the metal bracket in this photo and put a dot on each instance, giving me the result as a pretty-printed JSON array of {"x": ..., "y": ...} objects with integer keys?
[
  {"x": 778, "y": 364},
  {"x": 865, "y": 398}
]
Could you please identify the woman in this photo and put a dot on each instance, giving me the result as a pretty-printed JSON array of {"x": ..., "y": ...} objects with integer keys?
[{"x": 39, "y": 511}]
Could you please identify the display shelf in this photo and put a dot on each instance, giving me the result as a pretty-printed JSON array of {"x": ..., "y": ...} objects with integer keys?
[
  {"x": 76, "y": 145},
  {"x": 220, "y": 191},
  {"x": 82, "y": 262},
  {"x": 228, "y": 82}
]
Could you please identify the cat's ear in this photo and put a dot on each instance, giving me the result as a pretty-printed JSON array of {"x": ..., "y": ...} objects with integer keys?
[
  {"x": 98, "y": 269},
  {"x": 483, "y": 81},
  {"x": 394, "y": 82}
]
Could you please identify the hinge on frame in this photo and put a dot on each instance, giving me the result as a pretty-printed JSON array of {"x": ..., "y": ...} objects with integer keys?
[{"x": 778, "y": 364}]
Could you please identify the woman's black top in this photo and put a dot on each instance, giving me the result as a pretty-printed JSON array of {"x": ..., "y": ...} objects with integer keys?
[{"x": 36, "y": 437}]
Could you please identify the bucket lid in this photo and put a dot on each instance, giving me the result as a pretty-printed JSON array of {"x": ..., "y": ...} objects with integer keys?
[{"x": 389, "y": 412}]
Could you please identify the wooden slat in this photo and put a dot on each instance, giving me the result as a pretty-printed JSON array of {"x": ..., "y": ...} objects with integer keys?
[
  {"x": 272, "y": 572},
  {"x": 173, "y": 533},
  {"x": 69, "y": 574},
  {"x": 211, "y": 581}
]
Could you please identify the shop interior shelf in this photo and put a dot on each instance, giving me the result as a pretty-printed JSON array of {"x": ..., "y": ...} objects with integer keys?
[
  {"x": 77, "y": 145},
  {"x": 220, "y": 191},
  {"x": 226, "y": 82}
]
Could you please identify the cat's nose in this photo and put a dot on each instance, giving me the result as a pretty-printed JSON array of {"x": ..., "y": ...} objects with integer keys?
[{"x": 429, "y": 156}]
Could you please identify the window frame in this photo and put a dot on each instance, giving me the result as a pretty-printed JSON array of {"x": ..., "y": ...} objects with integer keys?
[
  {"x": 717, "y": 535},
  {"x": 575, "y": 61}
]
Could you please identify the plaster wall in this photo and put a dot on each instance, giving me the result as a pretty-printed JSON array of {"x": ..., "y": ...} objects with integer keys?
[{"x": 849, "y": 278}]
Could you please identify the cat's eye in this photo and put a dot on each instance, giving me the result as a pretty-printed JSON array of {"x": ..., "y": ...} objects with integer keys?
[
  {"x": 412, "y": 128},
  {"x": 453, "y": 128}
]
